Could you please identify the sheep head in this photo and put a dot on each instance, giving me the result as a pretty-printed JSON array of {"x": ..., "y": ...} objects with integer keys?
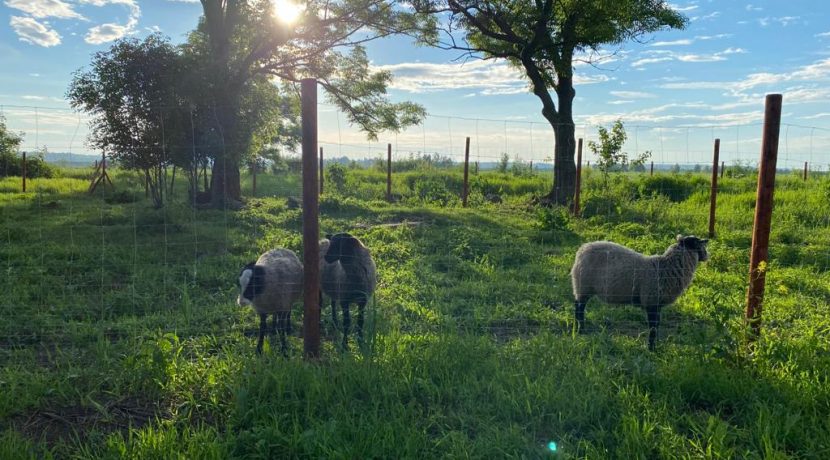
[
  {"x": 343, "y": 247},
  {"x": 695, "y": 244},
  {"x": 251, "y": 283}
]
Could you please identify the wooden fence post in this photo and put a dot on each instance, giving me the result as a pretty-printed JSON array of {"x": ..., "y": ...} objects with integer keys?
[
  {"x": 713, "y": 194},
  {"x": 311, "y": 223},
  {"x": 652, "y": 169},
  {"x": 805, "y": 170},
  {"x": 763, "y": 212},
  {"x": 24, "y": 172},
  {"x": 466, "y": 190},
  {"x": 322, "y": 178},
  {"x": 389, "y": 172},
  {"x": 253, "y": 173},
  {"x": 578, "y": 183},
  {"x": 722, "y": 168}
]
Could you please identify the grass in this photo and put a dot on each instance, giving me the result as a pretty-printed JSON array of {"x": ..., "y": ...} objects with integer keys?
[{"x": 120, "y": 336}]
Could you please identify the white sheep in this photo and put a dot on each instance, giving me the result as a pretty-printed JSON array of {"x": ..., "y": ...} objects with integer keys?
[
  {"x": 271, "y": 285},
  {"x": 619, "y": 275},
  {"x": 360, "y": 278}
]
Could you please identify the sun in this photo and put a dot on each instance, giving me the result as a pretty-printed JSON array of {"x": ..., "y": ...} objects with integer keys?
[{"x": 286, "y": 11}]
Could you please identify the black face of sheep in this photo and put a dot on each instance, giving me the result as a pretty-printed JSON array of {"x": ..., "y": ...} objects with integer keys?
[
  {"x": 343, "y": 247},
  {"x": 251, "y": 283},
  {"x": 696, "y": 244}
]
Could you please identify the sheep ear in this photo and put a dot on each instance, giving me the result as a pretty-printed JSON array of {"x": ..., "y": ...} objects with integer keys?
[
  {"x": 679, "y": 237},
  {"x": 704, "y": 241},
  {"x": 328, "y": 236}
]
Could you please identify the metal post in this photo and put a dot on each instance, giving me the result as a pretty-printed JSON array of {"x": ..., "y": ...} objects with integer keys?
[
  {"x": 763, "y": 212},
  {"x": 805, "y": 169},
  {"x": 713, "y": 194},
  {"x": 466, "y": 190},
  {"x": 722, "y": 168},
  {"x": 389, "y": 172},
  {"x": 652, "y": 168},
  {"x": 24, "y": 172},
  {"x": 578, "y": 184},
  {"x": 311, "y": 223},
  {"x": 321, "y": 171}
]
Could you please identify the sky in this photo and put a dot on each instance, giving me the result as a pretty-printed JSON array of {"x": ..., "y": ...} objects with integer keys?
[{"x": 675, "y": 91}]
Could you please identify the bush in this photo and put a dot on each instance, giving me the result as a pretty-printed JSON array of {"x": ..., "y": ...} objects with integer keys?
[
  {"x": 601, "y": 205},
  {"x": 434, "y": 190},
  {"x": 676, "y": 188},
  {"x": 336, "y": 175},
  {"x": 11, "y": 164}
]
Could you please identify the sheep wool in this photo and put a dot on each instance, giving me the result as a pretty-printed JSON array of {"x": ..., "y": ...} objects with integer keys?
[
  {"x": 271, "y": 285},
  {"x": 359, "y": 281},
  {"x": 619, "y": 275}
]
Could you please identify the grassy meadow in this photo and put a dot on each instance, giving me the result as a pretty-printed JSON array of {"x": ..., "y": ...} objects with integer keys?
[{"x": 120, "y": 336}]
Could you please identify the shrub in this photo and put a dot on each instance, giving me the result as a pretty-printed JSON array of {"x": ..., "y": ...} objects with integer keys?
[
  {"x": 676, "y": 188},
  {"x": 336, "y": 175},
  {"x": 11, "y": 164},
  {"x": 433, "y": 190}
]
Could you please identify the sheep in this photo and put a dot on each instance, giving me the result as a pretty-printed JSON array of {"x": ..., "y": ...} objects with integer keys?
[
  {"x": 332, "y": 280},
  {"x": 359, "y": 281},
  {"x": 619, "y": 275},
  {"x": 271, "y": 285}
]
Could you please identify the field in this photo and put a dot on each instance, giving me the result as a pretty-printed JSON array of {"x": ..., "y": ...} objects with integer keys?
[{"x": 120, "y": 336}]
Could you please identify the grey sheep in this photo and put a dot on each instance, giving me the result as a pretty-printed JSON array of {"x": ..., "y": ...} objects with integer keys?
[
  {"x": 619, "y": 275},
  {"x": 332, "y": 280},
  {"x": 360, "y": 278},
  {"x": 271, "y": 285}
]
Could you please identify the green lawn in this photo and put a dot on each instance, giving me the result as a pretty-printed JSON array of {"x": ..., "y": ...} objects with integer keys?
[{"x": 120, "y": 336}]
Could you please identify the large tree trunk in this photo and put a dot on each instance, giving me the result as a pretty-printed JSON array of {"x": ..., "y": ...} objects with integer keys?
[
  {"x": 564, "y": 167},
  {"x": 225, "y": 184}
]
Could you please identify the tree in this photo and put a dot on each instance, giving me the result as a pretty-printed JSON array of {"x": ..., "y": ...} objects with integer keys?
[
  {"x": 543, "y": 38},
  {"x": 244, "y": 40},
  {"x": 610, "y": 155},
  {"x": 130, "y": 91}
]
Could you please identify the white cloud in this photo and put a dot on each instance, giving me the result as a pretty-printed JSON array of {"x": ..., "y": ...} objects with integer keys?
[
  {"x": 31, "y": 31},
  {"x": 817, "y": 115},
  {"x": 108, "y": 32},
  {"x": 45, "y": 8},
  {"x": 707, "y": 17},
  {"x": 712, "y": 37},
  {"x": 488, "y": 77},
  {"x": 632, "y": 94},
  {"x": 668, "y": 55},
  {"x": 620, "y": 102},
  {"x": 700, "y": 57},
  {"x": 823, "y": 34},
  {"x": 34, "y": 75},
  {"x": 752, "y": 7},
  {"x": 682, "y": 9},
  {"x": 644, "y": 61},
  {"x": 783, "y": 20},
  {"x": 684, "y": 41}
]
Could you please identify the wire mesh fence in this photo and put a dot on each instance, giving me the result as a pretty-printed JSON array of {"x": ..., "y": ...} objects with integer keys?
[{"x": 83, "y": 267}]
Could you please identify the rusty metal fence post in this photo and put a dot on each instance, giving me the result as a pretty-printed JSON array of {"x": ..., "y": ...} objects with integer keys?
[
  {"x": 24, "y": 172},
  {"x": 722, "y": 168},
  {"x": 763, "y": 212},
  {"x": 466, "y": 190},
  {"x": 311, "y": 223},
  {"x": 578, "y": 183},
  {"x": 805, "y": 171},
  {"x": 322, "y": 178},
  {"x": 652, "y": 169},
  {"x": 713, "y": 194},
  {"x": 389, "y": 172}
]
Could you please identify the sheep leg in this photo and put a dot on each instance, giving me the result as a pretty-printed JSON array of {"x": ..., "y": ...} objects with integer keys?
[
  {"x": 361, "y": 306},
  {"x": 579, "y": 314},
  {"x": 282, "y": 327},
  {"x": 263, "y": 328},
  {"x": 347, "y": 323},
  {"x": 334, "y": 313},
  {"x": 653, "y": 322}
]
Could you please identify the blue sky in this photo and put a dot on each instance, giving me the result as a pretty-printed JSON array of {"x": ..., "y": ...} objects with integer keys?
[{"x": 676, "y": 91}]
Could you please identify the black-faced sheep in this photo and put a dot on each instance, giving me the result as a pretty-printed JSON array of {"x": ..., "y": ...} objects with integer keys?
[
  {"x": 332, "y": 280},
  {"x": 360, "y": 278},
  {"x": 271, "y": 285},
  {"x": 619, "y": 275}
]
